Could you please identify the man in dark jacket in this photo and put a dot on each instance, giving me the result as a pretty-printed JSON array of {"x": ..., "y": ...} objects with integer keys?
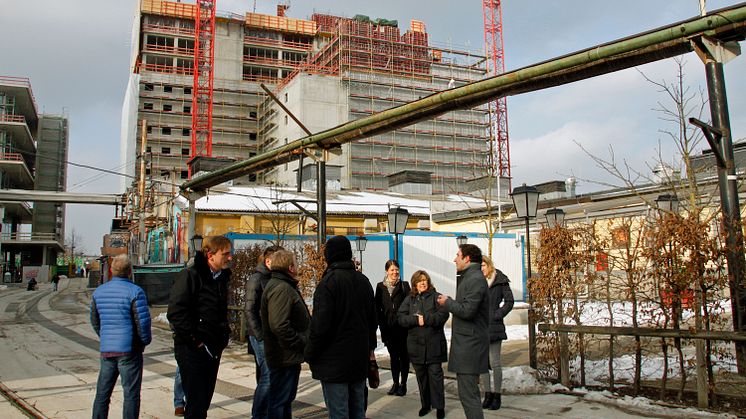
[
  {"x": 120, "y": 316},
  {"x": 470, "y": 340},
  {"x": 343, "y": 332},
  {"x": 285, "y": 321},
  {"x": 198, "y": 313},
  {"x": 254, "y": 288}
]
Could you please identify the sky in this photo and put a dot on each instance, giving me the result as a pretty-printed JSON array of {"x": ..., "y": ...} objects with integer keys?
[{"x": 76, "y": 54}]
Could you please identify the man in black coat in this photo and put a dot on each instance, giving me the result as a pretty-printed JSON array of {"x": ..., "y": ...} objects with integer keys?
[
  {"x": 254, "y": 288},
  {"x": 343, "y": 332},
  {"x": 469, "y": 339},
  {"x": 198, "y": 314},
  {"x": 285, "y": 321}
]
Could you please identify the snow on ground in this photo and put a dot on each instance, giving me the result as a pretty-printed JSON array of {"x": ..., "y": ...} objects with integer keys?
[{"x": 642, "y": 404}]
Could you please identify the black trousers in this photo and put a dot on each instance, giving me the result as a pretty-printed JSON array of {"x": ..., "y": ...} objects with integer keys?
[
  {"x": 199, "y": 372},
  {"x": 397, "y": 348},
  {"x": 430, "y": 383}
]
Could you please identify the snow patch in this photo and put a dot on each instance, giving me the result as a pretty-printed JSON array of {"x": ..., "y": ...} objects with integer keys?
[{"x": 642, "y": 404}]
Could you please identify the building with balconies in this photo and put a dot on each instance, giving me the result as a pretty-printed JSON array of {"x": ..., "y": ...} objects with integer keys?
[{"x": 33, "y": 152}]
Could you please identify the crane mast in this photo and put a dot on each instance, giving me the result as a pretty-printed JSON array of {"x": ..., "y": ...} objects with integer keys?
[{"x": 202, "y": 93}]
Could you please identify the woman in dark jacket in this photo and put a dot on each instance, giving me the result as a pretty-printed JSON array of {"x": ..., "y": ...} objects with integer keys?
[
  {"x": 501, "y": 302},
  {"x": 426, "y": 342},
  {"x": 389, "y": 295}
]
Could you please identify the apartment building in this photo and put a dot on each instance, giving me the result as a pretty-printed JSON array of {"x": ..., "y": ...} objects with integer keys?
[
  {"x": 33, "y": 152},
  {"x": 327, "y": 70}
]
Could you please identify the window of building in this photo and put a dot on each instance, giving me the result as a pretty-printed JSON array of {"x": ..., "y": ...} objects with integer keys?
[
  {"x": 252, "y": 177},
  {"x": 186, "y": 132},
  {"x": 252, "y": 154},
  {"x": 148, "y": 87},
  {"x": 184, "y": 64},
  {"x": 147, "y": 172},
  {"x": 166, "y": 131},
  {"x": 286, "y": 119},
  {"x": 158, "y": 61},
  {"x": 161, "y": 41},
  {"x": 167, "y": 108},
  {"x": 184, "y": 151},
  {"x": 147, "y": 106},
  {"x": 149, "y": 129},
  {"x": 168, "y": 89},
  {"x": 186, "y": 43},
  {"x": 187, "y": 90},
  {"x": 165, "y": 174},
  {"x": 147, "y": 149},
  {"x": 252, "y": 136},
  {"x": 187, "y": 109},
  {"x": 286, "y": 98},
  {"x": 252, "y": 114},
  {"x": 165, "y": 150},
  {"x": 184, "y": 174}
]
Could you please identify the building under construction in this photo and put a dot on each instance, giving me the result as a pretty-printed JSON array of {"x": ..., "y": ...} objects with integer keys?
[{"x": 326, "y": 70}]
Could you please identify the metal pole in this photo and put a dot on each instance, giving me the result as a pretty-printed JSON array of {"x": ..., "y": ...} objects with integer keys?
[
  {"x": 321, "y": 199},
  {"x": 191, "y": 227},
  {"x": 531, "y": 322},
  {"x": 727, "y": 181},
  {"x": 396, "y": 247}
]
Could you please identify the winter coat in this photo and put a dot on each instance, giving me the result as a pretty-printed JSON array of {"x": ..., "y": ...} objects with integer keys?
[
  {"x": 387, "y": 306},
  {"x": 470, "y": 339},
  {"x": 120, "y": 316},
  {"x": 198, "y": 307},
  {"x": 343, "y": 325},
  {"x": 426, "y": 344},
  {"x": 499, "y": 292},
  {"x": 285, "y": 321},
  {"x": 255, "y": 285}
]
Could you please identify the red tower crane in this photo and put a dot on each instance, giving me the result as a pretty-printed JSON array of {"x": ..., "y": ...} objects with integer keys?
[
  {"x": 498, "y": 109},
  {"x": 204, "y": 57}
]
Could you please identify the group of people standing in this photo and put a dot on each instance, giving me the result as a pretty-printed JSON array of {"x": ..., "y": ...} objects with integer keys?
[{"x": 337, "y": 341}]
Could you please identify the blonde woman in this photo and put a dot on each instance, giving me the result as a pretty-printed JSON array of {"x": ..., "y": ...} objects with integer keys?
[
  {"x": 501, "y": 302},
  {"x": 421, "y": 315}
]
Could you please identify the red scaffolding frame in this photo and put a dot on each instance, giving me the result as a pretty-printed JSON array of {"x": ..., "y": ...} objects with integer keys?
[{"x": 202, "y": 95}]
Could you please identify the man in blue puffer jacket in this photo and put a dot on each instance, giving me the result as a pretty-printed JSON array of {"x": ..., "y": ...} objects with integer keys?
[{"x": 120, "y": 316}]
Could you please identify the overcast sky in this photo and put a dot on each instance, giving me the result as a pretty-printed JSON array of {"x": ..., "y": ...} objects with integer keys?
[{"x": 76, "y": 53}]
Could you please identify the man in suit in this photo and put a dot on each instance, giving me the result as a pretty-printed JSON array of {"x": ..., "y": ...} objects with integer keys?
[{"x": 470, "y": 340}]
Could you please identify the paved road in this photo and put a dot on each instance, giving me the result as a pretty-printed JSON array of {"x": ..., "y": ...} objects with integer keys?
[{"x": 50, "y": 359}]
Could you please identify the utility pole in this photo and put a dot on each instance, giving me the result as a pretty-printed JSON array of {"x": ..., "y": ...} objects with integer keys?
[{"x": 141, "y": 227}]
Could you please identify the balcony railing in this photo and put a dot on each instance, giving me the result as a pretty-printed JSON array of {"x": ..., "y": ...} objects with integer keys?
[
  {"x": 11, "y": 156},
  {"x": 12, "y": 118},
  {"x": 26, "y": 236}
]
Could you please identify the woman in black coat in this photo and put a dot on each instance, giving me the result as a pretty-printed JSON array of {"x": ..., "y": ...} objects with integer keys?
[
  {"x": 426, "y": 342},
  {"x": 501, "y": 302},
  {"x": 389, "y": 295}
]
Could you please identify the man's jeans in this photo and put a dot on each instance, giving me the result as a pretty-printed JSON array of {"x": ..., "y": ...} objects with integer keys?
[
  {"x": 178, "y": 390},
  {"x": 130, "y": 368},
  {"x": 260, "y": 405},
  {"x": 283, "y": 386},
  {"x": 344, "y": 400}
]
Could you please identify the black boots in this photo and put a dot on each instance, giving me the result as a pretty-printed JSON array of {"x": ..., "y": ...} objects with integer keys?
[
  {"x": 487, "y": 400},
  {"x": 496, "y": 401},
  {"x": 402, "y": 389},
  {"x": 393, "y": 389},
  {"x": 424, "y": 411},
  {"x": 440, "y": 413}
]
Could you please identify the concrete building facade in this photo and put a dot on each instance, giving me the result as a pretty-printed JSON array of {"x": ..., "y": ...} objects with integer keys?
[
  {"x": 327, "y": 70},
  {"x": 33, "y": 155}
]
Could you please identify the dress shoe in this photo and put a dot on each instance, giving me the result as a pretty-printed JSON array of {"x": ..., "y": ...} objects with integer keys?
[
  {"x": 440, "y": 413},
  {"x": 424, "y": 411},
  {"x": 496, "y": 401},
  {"x": 402, "y": 390},
  {"x": 393, "y": 389},
  {"x": 487, "y": 400},
  {"x": 179, "y": 411}
]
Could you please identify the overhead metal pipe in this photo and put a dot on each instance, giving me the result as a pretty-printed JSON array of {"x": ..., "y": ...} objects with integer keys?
[{"x": 725, "y": 25}]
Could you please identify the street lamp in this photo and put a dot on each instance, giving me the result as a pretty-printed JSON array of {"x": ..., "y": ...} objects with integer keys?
[
  {"x": 196, "y": 244},
  {"x": 668, "y": 203},
  {"x": 397, "y": 225},
  {"x": 361, "y": 242},
  {"x": 461, "y": 239},
  {"x": 555, "y": 217},
  {"x": 525, "y": 201}
]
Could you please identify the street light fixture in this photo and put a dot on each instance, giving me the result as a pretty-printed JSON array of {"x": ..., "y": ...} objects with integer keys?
[
  {"x": 360, "y": 243},
  {"x": 398, "y": 218},
  {"x": 668, "y": 203},
  {"x": 555, "y": 217},
  {"x": 525, "y": 201},
  {"x": 462, "y": 239},
  {"x": 196, "y": 244}
]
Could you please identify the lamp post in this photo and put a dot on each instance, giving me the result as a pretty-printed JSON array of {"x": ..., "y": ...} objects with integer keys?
[
  {"x": 667, "y": 203},
  {"x": 555, "y": 217},
  {"x": 196, "y": 244},
  {"x": 397, "y": 225},
  {"x": 525, "y": 201},
  {"x": 462, "y": 239},
  {"x": 361, "y": 242}
]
